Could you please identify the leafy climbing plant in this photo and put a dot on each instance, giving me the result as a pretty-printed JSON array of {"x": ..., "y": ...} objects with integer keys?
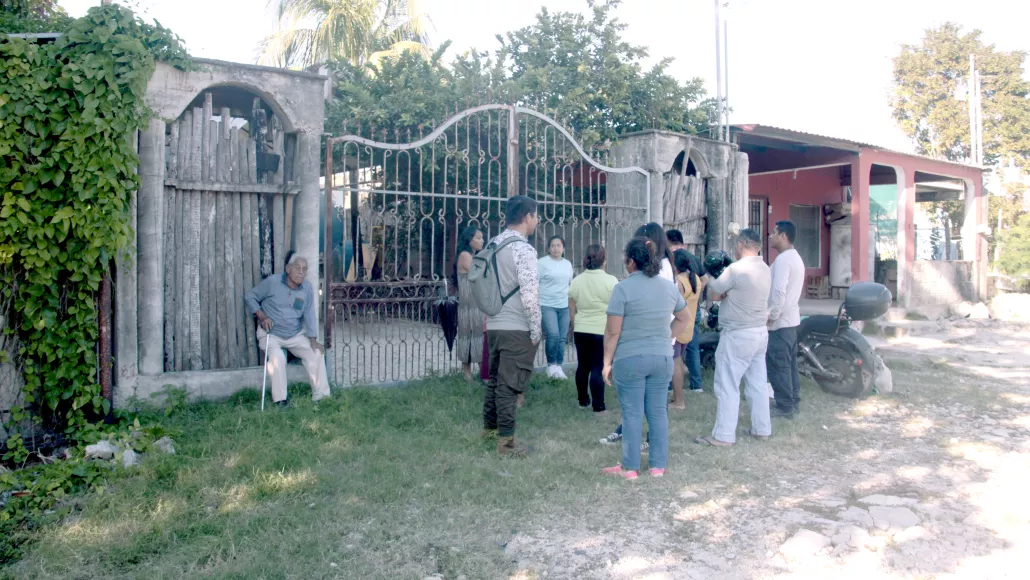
[{"x": 68, "y": 111}]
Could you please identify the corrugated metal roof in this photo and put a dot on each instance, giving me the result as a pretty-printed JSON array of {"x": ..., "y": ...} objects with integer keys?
[{"x": 772, "y": 132}]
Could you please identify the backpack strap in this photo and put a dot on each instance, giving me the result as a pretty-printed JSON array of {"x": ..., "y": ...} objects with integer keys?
[{"x": 497, "y": 273}]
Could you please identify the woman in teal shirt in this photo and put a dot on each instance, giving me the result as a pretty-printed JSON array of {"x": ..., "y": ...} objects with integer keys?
[
  {"x": 588, "y": 303},
  {"x": 555, "y": 276}
]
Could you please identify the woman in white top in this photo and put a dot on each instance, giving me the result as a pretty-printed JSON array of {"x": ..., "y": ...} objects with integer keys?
[{"x": 555, "y": 277}]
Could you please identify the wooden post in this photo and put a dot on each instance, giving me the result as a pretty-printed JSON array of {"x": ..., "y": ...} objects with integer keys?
[
  {"x": 288, "y": 234},
  {"x": 234, "y": 138},
  {"x": 210, "y": 298},
  {"x": 194, "y": 276},
  {"x": 255, "y": 238}
]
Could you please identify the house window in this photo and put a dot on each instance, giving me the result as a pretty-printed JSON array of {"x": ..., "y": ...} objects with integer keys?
[{"x": 808, "y": 221}]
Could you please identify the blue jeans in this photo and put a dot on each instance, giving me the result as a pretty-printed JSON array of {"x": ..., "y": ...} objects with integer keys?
[
  {"x": 555, "y": 322},
  {"x": 693, "y": 359},
  {"x": 642, "y": 382}
]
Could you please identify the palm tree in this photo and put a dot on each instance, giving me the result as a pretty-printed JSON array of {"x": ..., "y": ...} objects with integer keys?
[{"x": 317, "y": 31}]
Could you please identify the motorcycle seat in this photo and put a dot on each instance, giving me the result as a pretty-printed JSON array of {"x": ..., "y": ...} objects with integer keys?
[{"x": 820, "y": 324}]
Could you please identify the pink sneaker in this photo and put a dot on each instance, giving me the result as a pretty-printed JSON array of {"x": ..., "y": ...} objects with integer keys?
[
  {"x": 618, "y": 470},
  {"x": 656, "y": 472}
]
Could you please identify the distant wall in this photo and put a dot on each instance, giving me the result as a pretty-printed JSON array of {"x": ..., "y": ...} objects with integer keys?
[{"x": 941, "y": 283}]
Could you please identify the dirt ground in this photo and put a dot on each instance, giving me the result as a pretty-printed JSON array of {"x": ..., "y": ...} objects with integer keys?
[{"x": 927, "y": 482}]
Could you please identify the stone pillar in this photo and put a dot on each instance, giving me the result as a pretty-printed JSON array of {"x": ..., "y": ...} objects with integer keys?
[
  {"x": 860, "y": 168},
  {"x": 906, "y": 233},
  {"x": 150, "y": 249},
  {"x": 970, "y": 235},
  {"x": 126, "y": 354},
  {"x": 306, "y": 206}
]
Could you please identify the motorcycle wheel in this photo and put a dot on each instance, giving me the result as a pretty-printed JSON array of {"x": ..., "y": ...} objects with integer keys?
[{"x": 854, "y": 383}]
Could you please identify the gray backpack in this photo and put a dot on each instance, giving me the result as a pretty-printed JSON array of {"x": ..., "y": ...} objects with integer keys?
[{"x": 485, "y": 280}]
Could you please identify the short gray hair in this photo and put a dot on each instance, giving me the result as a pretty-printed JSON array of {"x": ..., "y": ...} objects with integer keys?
[
  {"x": 296, "y": 258},
  {"x": 750, "y": 239}
]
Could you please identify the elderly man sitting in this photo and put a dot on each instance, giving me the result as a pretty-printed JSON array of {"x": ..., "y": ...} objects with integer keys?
[{"x": 284, "y": 305}]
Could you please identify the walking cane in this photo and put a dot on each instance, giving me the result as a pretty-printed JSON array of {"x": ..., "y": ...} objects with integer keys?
[{"x": 264, "y": 373}]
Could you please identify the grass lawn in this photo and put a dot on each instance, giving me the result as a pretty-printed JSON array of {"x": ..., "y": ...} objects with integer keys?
[{"x": 396, "y": 483}]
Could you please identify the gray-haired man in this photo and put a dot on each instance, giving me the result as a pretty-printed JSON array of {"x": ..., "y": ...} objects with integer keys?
[
  {"x": 743, "y": 289},
  {"x": 284, "y": 305}
]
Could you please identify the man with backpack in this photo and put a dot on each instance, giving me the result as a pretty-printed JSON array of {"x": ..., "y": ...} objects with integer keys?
[{"x": 506, "y": 287}]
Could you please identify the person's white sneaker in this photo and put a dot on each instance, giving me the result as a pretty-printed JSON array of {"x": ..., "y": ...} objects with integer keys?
[
  {"x": 559, "y": 373},
  {"x": 550, "y": 371}
]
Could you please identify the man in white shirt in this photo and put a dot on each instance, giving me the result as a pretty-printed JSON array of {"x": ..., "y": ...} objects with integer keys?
[{"x": 781, "y": 358}]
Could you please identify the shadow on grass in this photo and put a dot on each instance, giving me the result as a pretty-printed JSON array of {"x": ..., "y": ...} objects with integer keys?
[{"x": 396, "y": 483}]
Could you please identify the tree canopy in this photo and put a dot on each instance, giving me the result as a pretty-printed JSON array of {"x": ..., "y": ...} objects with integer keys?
[
  {"x": 576, "y": 67},
  {"x": 32, "y": 16},
  {"x": 926, "y": 79}
]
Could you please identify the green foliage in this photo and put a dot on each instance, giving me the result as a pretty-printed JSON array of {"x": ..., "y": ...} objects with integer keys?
[
  {"x": 68, "y": 111},
  {"x": 32, "y": 16},
  {"x": 1015, "y": 252},
  {"x": 926, "y": 77}
]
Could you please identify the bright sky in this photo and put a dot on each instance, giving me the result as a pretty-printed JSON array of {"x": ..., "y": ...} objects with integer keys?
[{"x": 807, "y": 65}]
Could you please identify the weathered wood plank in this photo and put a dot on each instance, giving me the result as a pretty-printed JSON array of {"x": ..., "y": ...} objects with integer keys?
[
  {"x": 220, "y": 286},
  {"x": 185, "y": 123},
  {"x": 234, "y": 164},
  {"x": 193, "y": 271},
  {"x": 211, "y": 161},
  {"x": 289, "y": 154},
  {"x": 231, "y": 261},
  {"x": 205, "y": 147},
  {"x": 288, "y": 235},
  {"x": 208, "y": 307},
  {"x": 203, "y": 259},
  {"x": 170, "y": 251},
  {"x": 265, "y": 233},
  {"x": 277, "y": 149},
  {"x": 197, "y": 143},
  {"x": 278, "y": 227},
  {"x": 254, "y": 224},
  {"x": 223, "y": 147},
  {"x": 248, "y": 275},
  {"x": 241, "y": 310},
  {"x": 243, "y": 146},
  {"x": 252, "y": 176},
  {"x": 231, "y": 187},
  {"x": 180, "y": 280},
  {"x": 172, "y": 166}
]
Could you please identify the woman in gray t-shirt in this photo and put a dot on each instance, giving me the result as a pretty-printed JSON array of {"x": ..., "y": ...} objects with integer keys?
[{"x": 638, "y": 355}]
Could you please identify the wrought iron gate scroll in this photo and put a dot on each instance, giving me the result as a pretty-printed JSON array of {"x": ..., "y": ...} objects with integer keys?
[{"x": 393, "y": 213}]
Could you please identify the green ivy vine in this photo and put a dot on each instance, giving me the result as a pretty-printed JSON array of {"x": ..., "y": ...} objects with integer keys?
[{"x": 68, "y": 111}]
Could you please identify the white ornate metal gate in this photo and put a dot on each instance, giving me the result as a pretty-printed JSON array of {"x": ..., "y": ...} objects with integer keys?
[{"x": 393, "y": 213}]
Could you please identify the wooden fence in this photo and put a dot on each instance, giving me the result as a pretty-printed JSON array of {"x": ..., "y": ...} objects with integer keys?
[{"x": 227, "y": 226}]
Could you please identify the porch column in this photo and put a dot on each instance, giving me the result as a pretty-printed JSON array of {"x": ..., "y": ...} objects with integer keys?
[
  {"x": 150, "y": 235},
  {"x": 906, "y": 233},
  {"x": 860, "y": 168},
  {"x": 970, "y": 232},
  {"x": 305, "y": 212},
  {"x": 126, "y": 356}
]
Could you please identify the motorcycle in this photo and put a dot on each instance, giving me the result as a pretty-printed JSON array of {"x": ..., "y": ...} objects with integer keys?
[{"x": 830, "y": 351}]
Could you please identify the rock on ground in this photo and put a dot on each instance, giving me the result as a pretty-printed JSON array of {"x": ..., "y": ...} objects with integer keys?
[
  {"x": 165, "y": 445},
  {"x": 857, "y": 515},
  {"x": 803, "y": 544},
  {"x": 887, "y": 500},
  {"x": 101, "y": 450},
  {"x": 130, "y": 458},
  {"x": 893, "y": 517}
]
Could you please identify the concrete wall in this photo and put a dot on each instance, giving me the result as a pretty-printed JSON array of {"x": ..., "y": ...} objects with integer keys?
[
  {"x": 940, "y": 283},
  {"x": 812, "y": 187},
  {"x": 719, "y": 163}
]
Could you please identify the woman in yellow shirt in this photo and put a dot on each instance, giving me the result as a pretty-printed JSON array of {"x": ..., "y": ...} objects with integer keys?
[
  {"x": 588, "y": 305},
  {"x": 691, "y": 285}
]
